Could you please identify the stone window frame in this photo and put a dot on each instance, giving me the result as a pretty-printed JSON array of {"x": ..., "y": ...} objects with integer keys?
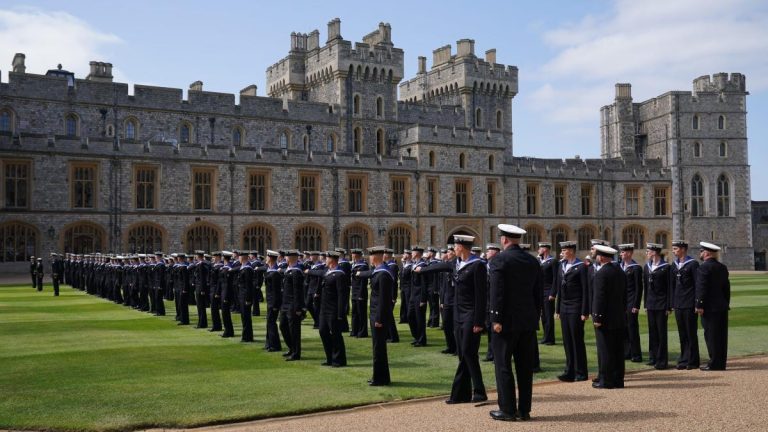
[
  {"x": 258, "y": 232},
  {"x": 634, "y": 233},
  {"x": 491, "y": 163},
  {"x": 353, "y": 231},
  {"x": 478, "y": 118},
  {"x": 722, "y": 149},
  {"x": 333, "y": 140},
  {"x": 433, "y": 196},
  {"x": 697, "y": 149},
  {"x": 657, "y": 198},
  {"x": 563, "y": 204},
  {"x": 363, "y": 178},
  {"x": 213, "y": 171},
  {"x": 696, "y": 122},
  {"x": 250, "y": 173},
  {"x": 27, "y": 163},
  {"x": 145, "y": 230},
  {"x": 557, "y": 234},
  {"x": 532, "y": 196},
  {"x": 241, "y": 130},
  {"x": 136, "y": 125},
  {"x": 155, "y": 187},
  {"x": 466, "y": 182},
  {"x": 20, "y": 241},
  {"x": 492, "y": 196},
  {"x": 190, "y": 132},
  {"x": 214, "y": 234},
  {"x": 587, "y": 210},
  {"x": 462, "y": 160},
  {"x": 381, "y": 142},
  {"x": 662, "y": 237},
  {"x": 722, "y": 122},
  {"x": 284, "y": 139},
  {"x": 633, "y": 205},
  {"x": 313, "y": 202},
  {"x": 315, "y": 231},
  {"x": 357, "y": 109},
  {"x": 379, "y": 106},
  {"x": 84, "y": 164},
  {"x": 400, "y": 236},
  {"x": 499, "y": 119},
  {"x": 698, "y": 196},
  {"x": 406, "y": 191},
  {"x": 11, "y": 116},
  {"x": 533, "y": 234},
  {"x": 431, "y": 158},
  {"x": 73, "y": 117},
  {"x": 358, "y": 140},
  {"x": 80, "y": 228},
  {"x": 724, "y": 192},
  {"x": 584, "y": 235}
]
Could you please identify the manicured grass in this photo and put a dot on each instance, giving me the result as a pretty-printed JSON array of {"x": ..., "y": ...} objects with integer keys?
[{"x": 77, "y": 362}]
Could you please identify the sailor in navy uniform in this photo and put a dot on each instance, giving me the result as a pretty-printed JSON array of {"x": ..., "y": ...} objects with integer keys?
[
  {"x": 32, "y": 271},
  {"x": 214, "y": 289},
  {"x": 39, "y": 273},
  {"x": 470, "y": 276},
  {"x": 333, "y": 297},
  {"x": 608, "y": 316},
  {"x": 684, "y": 272},
  {"x": 572, "y": 308},
  {"x": 516, "y": 285},
  {"x": 57, "y": 271},
  {"x": 658, "y": 304},
  {"x": 202, "y": 272},
  {"x": 549, "y": 267},
  {"x": 443, "y": 272},
  {"x": 258, "y": 280},
  {"x": 433, "y": 294},
  {"x": 382, "y": 293},
  {"x": 394, "y": 335},
  {"x": 158, "y": 283},
  {"x": 405, "y": 285},
  {"x": 417, "y": 303},
  {"x": 346, "y": 267},
  {"x": 359, "y": 288},
  {"x": 292, "y": 309},
  {"x": 491, "y": 250},
  {"x": 713, "y": 298},
  {"x": 226, "y": 284},
  {"x": 313, "y": 282},
  {"x": 246, "y": 297},
  {"x": 273, "y": 282},
  {"x": 633, "y": 273}
]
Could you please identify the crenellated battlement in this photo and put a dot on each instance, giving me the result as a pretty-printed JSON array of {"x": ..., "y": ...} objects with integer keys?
[{"x": 720, "y": 82}]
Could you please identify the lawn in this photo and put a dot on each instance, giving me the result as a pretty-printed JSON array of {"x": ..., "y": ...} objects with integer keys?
[{"x": 77, "y": 362}]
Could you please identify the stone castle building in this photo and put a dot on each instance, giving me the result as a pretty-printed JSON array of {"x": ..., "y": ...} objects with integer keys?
[{"x": 344, "y": 152}]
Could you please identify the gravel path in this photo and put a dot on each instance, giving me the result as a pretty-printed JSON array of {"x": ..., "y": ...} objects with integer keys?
[{"x": 733, "y": 400}]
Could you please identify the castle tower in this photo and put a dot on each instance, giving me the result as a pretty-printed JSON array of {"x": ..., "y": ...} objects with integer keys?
[
  {"x": 617, "y": 127},
  {"x": 481, "y": 87}
]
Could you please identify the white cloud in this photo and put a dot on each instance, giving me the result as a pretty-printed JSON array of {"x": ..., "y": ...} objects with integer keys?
[
  {"x": 657, "y": 45},
  {"x": 49, "y": 38}
]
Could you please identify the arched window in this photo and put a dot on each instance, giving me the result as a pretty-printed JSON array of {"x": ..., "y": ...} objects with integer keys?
[
  {"x": 145, "y": 238},
  {"x": 462, "y": 161},
  {"x": 723, "y": 150},
  {"x": 237, "y": 136},
  {"x": 305, "y": 142},
  {"x": 478, "y": 118},
  {"x": 721, "y": 122},
  {"x": 284, "y": 138},
  {"x": 379, "y": 107},
  {"x": 201, "y": 237},
  {"x": 83, "y": 237},
  {"x": 697, "y": 149},
  {"x": 662, "y": 238},
  {"x": 697, "y": 196},
  {"x": 330, "y": 144},
  {"x": 490, "y": 163},
  {"x": 723, "y": 196},
  {"x": 355, "y": 237},
  {"x": 185, "y": 133},
  {"x": 358, "y": 140},
  {"x": 532, "y": 236},
  {"x": 499, "y": 119},
  {"x": 308, "y": 237},
  {"x": 584, "y": 235},
  {"x": 634, "y": 234},
  {"x": 399, "y": 238},
  {"x": 431, "y": 159},
  {"x": 19, "y": 242},
  {"x": 258, "y": 237},
  {"x": 356, "y": 105},
  {"x": 696, "y": 122},
  {"x": 6, "y": 120},
  {"x": 131, "y": 129},
  {"x": 558, "y": 234},
  {"x": 380, "y": 142},
  {"x": 110, "y": 131},
  {"x": 72, "y": 125}
]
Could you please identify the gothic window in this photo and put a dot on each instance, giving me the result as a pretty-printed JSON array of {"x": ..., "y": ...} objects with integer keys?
[
  {"x": 355, "y": 237},
  {"x": 532, "y": 235},
  {"x": 586, "y": 199},
  {"x": 6, "y": 120},
  {"x": 660, "y": 201},
  {"x": 83, "y": 238},
  {"x": 202, "y": 237},
  {"x": 697, "y": 149},
  {"x": 330, "y": 144},
  {"x": 696, "y": 121},
  {"x": 380, "y": 142},
  {"x": 18, "y": 242},
  {"x": 16, "y": 183},
  {"x": 284, "y": 138},
  {"x": 634, "y": 234},
  {"x": 308, "y": 237},
  {"x": 697, "y": 196},
  {"x": 491, "y": 196},
  {"x": 185, "y": 133},
  {"x": 499, "y": 118},
  {"x": 723, "y": 150},
  {"x": 203, "y": 188},
  {"x": 462, "y": 192},
  {"x": 479, "y": 118},
  {"x": 558, "y": 234},
  {"x": 257, "y": 237},
  {"x": 258, "y": 190},
  {"x": 379, "y": 107},
  {"x": 432, "y": 196},
  {"x": 399, "y": 238},
  {"x": 632, "y": 200},
  {"x": 723, "y": 196},
  {"x": 584, "y": 236},
  {"x": 662, "y": 238},
  {"x": 145, "y": 238},
  {"x": 462, "y": 161},
  {"x": 560, "y": 199},
  {"x": 358, "y": 140},
  {"x": 84, "y": 185},
  {"x": 357, "y": 187},
  {"x": 237, "y": 136},
  {"x": 131, "y": 129},
  {"x": 356, "y": 105},
  {"x": 72, "y": 125},
  {"x": 490, "y": 163},
  {"x": 721, "y": 122},
  {"x": 532, "y": 198},
  {"x": 146, "y": 184},
  {"x": 399, "y": 194},
  {"x": 431, "y": 159},
  {"x": 308, "y": 187}
]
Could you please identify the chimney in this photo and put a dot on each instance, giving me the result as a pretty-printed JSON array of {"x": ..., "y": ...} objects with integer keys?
[
  {"x": 441, "y": 55},
  {"x": 18, "y": 63},
  {"x": 465, "y": 47},
  {"x": 101, "y": 72},
  {"x": 196, "y": 86},
  {"x": 422, "y": 64},
  {"x": 249, "y": 91},
  {"x": 313, "y": 40},
  {"x": 334, "y": 29},
  {"x": 490, "y": 56},
  {"x": 623, "y": 91}
]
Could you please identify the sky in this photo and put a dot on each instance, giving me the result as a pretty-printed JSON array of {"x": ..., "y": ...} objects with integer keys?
[{"x": 570, "y": 54}]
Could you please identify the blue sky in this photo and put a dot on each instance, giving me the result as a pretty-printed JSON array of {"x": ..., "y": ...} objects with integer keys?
[{"x": 570, "y": 53}]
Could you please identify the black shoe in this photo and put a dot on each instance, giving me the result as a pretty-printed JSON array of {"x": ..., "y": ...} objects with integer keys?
[
  {"x": 479, "y": 398},
  {"x": 651, "y": 363},
  {"x": 637, "y": 360},
  {"x": 581, "y": 378},
  {"x": 182, "y": 323},
  {"x": 709, "y": 368},
  {"x": 597, "y": 385},
  {"x": 691, "y": 367},
  {"x": 548, "y": 344},
  {"x": 325, "y": 363},
  {"x": 377, "y": 384},
  {"x": 565, "y": 378},
  {"x": 660, "y": 367},
  {"x": 502, "y": 416},
  {"x": 681, "y": 367},
  {"x": 227, "y": 335},
  {"x": 338, "y": 365},
  {"x": 453, "y": 402},
  {"x": 525, "y": 417},
  {"x": 214, "y": 329},
  {"x": 596, "y": 379},
  {"x": 287, "y": 354},
  {"x": 446, "y": 351}
]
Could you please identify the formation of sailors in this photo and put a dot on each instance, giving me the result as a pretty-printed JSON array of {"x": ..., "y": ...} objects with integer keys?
[{"x": 505, "y": 292}]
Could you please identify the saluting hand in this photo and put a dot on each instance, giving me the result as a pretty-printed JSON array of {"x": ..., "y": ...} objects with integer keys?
[
  {"x": 496, "y": 327},
  {"x": 635, "y": 310},
  {"x": 477, "y": 329},
  {"x": 583, "y": 317},
  {"x": 377, "y": 324}
]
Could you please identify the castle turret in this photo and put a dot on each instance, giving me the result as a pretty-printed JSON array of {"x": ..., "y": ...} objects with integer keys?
[
  {"x": 617, "y": 126},
  {"x": 100, "y": 71}
]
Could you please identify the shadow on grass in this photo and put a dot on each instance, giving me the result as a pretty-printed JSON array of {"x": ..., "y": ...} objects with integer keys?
[{"x": 605, "y": 417}]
